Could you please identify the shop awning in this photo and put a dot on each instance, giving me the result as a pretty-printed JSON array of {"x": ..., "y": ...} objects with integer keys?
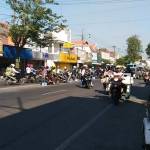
[{"x": 10, "y": 52}]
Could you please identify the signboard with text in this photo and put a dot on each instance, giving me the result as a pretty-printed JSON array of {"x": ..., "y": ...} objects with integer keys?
[{"x": 68, "y": 58}]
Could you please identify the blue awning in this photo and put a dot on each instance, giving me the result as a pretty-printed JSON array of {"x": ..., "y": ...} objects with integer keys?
[{"x": 10, "y": 52}]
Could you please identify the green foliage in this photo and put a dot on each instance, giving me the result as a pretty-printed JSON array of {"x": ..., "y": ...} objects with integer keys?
[
  {"x": 123, "y": 60},
  {"x": 33, "y": 21},
  {"x": 148, "y": 50},
  {"x": 134, "y": 48},
  {"x": 106, "y": 61}
]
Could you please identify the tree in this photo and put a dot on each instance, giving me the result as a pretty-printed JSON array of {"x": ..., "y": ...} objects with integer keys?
[
  {"x": 106, "y": 61},
  {"x": 123, "y": 60},
  {"x": 148, "y": 50},
  {"x": 134, "y": 48},
  {"x": 33, "y": 22}
]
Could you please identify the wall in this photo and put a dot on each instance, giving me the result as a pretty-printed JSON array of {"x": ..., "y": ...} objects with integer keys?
[{"x": 64, "y": 35}]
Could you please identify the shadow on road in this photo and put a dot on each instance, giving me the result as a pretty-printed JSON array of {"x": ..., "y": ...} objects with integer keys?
[
  {"x": 140, "y": 92},
  {"x": 46, "y": 126},
  {"x": 19, "y": 106}
]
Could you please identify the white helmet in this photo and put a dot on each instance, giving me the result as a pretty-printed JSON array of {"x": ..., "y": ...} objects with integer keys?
[
  {"x": 74, "y": 67},
  {"x": 12, "y": 65},
  {"x": 85, "y": 66}
]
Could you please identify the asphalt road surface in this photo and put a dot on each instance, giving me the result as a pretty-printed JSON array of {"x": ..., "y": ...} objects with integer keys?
[{"x": 67, "y": 117}]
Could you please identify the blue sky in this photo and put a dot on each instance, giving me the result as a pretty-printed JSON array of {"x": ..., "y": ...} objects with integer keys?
[{"x": 109, "y": 22}]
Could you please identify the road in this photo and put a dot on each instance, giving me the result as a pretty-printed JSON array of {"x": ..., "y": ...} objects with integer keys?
[{"x": 67, "y": 117}]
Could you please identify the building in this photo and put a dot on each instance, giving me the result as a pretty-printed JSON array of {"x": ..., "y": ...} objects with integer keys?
[
  {"x": 4, "y": 37},
  {"x": 61, "y": 51},
  {"x": 83, "y": 50},
  {"x": 94, "y": 50},
  {"x": 108, "y": 55}
]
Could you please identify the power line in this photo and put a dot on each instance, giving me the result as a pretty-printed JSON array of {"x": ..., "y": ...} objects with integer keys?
[
  {"x": 114, "y": 21},
  {"x": 99, "y": 2},
  {"x": 5, "y": 15}
]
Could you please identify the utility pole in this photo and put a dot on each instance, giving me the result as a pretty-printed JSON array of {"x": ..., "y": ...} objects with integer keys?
[
  {"x": 82, "y": 38},
  {"x": 114, "y": 47}
]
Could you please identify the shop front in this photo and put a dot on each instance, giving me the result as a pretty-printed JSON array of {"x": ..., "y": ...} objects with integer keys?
[
  {"x": 10, "y": 56},
  {"x": 66, "y": 60},
  {"x": 37, "y": 59}
]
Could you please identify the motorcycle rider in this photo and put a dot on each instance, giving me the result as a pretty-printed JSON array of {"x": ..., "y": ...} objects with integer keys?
[
  {"x": 74, "y": 73},
  {"x": 82, "y": 74},
  {"x": 108, "y": 75},
  {"x": 11, "y": 72},
  {"x": 115, "y": 89},
  {"x": 86, "y": 72}
]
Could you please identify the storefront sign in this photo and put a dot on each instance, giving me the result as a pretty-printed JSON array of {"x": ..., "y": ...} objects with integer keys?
[
  {"x": 68, "y": 58},
  {"x": 45, "y": 56}
]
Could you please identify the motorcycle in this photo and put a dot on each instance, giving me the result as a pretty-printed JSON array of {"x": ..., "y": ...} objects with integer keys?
[
  {"x": 115, "y": 90},
  {"x": 63, "y": 77},
  {"x": 17, "y": 79},
  {"x": 106, "y": 83},
  {"x": 30, "y": 78},
  {"x": 87, "y": 81}
]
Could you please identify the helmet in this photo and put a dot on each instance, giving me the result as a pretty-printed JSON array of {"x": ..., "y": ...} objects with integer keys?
[
  {"x": 85, "y": 66},
  {"x": 74, "y": 67},
  {"x": 12, "y": 65}
]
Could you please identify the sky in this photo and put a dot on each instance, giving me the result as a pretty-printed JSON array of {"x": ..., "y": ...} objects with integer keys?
[{"x": 103, "y": 22}]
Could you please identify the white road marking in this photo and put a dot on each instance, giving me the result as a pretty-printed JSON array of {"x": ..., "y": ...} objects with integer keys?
[
  {"x": 54, "y": 92},
  {"x": 69, "y": 140}
]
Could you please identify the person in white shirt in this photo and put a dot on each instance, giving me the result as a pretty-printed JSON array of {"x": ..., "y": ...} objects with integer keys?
[
  {"x": 28, "y": 70},
  {"x": 83, "y": 71}
]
